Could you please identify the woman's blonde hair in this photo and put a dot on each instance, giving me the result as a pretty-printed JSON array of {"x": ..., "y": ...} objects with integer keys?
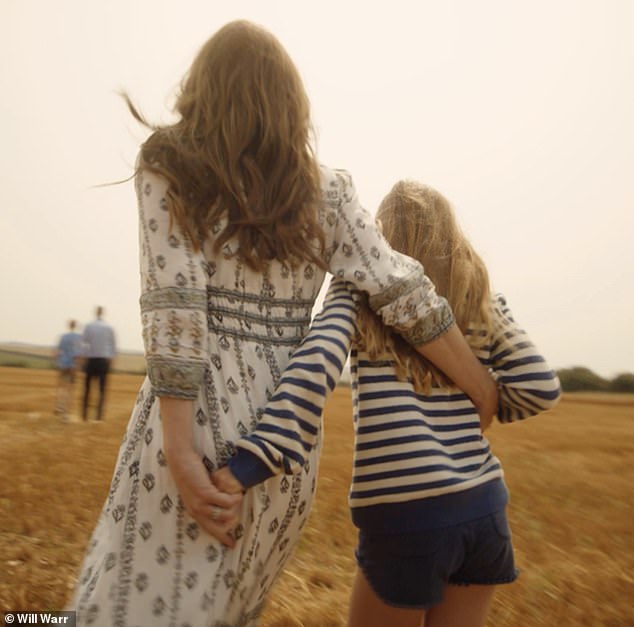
[
  {"x": 242, "y": 150},
  {"x": 419, "y": 222}
]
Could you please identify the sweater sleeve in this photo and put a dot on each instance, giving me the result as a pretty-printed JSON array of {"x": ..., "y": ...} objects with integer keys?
[
  {"x": 398, "y": 289},
  {"x": 526, "y": 383},
  {"x": 290, "y": 425},
  {"x": 173, "y": 296}
]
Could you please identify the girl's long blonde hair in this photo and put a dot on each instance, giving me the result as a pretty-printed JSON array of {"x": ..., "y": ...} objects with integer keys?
[
  {"x": 241, "y": 150},
  {"x": 419, "y": 222}
]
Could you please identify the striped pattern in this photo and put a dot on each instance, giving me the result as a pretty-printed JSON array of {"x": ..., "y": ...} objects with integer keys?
[
  {"x": 408, "y": 446},
  {"x": 291, "y": 421},
  {"x": 526, "y": 383},
  {"x": 411, "y": 446}
]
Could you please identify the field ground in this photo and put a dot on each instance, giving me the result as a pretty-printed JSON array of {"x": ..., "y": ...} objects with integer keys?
[{"x": 570, "y": 473}]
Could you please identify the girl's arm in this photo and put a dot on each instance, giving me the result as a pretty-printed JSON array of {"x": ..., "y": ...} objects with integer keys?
[
  {"x": 291, "y": 421},
  {"x": 526, "y": 383}
]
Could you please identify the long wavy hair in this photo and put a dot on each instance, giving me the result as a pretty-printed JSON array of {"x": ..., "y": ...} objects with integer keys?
[
  {"x": 419, "y": 222},
  {"x": 241, "y": 150}
]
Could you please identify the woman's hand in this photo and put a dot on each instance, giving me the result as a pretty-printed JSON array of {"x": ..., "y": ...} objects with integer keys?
[
  {"x": 451, "y": 353},
  {"x": 214, "y": 510}
]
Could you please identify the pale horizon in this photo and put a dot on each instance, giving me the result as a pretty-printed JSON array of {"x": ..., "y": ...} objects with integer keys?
[{"x": 519, "y": 113}]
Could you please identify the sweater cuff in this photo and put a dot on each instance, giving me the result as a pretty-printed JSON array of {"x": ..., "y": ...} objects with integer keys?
[{"x": 248, "y": 468}]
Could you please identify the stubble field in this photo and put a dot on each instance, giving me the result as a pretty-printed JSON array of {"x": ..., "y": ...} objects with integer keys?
[{"x": 570, "y": 473}]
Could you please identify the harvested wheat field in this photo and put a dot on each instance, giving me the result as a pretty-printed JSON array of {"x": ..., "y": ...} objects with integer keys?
[{"x": 570, "y": 473}]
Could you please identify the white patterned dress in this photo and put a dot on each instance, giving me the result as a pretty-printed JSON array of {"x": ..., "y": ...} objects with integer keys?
[{"x": 222, "y": 334}]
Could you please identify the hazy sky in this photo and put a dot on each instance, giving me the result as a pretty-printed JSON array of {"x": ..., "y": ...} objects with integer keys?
[{"x": 521, "y": 113}]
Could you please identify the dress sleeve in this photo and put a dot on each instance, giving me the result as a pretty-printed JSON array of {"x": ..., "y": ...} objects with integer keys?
[
  {"x": 173, "y": 296},
  {"x": 526, "y": 383},
  {"x": 291, "y": 421},
  {"x": 396, "y": 285}
]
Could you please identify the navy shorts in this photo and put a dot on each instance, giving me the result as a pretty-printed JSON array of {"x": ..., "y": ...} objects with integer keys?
[{"x": 411, "y": 570}]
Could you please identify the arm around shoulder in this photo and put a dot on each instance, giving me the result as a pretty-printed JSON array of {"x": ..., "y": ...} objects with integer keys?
[{"x": 451, "y": 353}]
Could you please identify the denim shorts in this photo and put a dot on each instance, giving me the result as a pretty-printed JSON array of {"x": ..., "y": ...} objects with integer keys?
[{"x": 411, "y": 570}]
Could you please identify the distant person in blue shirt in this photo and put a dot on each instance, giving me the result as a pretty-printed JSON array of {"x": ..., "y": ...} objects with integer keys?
[
  {"x": 66, "y": 359},
  {"x": 99, "y": 350}
]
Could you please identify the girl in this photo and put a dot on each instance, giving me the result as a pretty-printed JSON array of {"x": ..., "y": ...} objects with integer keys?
[
  {"x": 238, "y": 225},
  {"x": 427, "y": 494}
]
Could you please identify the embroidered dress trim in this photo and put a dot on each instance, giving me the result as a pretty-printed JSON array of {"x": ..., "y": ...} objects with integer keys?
[
  {"x": 397, "y": 290},
  {"x": 179, "y": 378},
  {"x": 430, "y": 328},
  {"x": 173, "y": 297}
]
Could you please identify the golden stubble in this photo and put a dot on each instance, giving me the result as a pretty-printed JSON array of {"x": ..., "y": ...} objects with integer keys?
[{"x": 569, "y": 472}]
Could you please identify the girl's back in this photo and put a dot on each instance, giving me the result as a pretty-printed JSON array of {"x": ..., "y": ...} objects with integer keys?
[{"x": 411, "y": 446}]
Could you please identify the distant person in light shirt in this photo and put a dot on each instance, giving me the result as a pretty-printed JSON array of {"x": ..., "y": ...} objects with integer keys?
[
  {"x": 66, "y": 359},
  {"x": 99, "y": 350}
]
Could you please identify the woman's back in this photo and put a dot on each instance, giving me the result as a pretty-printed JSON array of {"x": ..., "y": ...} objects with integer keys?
[{"x": 211, "y": 320}]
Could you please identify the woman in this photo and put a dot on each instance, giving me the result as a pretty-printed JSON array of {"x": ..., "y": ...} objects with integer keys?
[
  {"x": 427, "y": 494},
  {"x": 238, "y": 226}
]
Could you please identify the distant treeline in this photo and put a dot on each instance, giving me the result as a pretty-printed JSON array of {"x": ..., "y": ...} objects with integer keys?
[
  {"x": 580, "y": 379},
  {"x": 576, "y": 379}
]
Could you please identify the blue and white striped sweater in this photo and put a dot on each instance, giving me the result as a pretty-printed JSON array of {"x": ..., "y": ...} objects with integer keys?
[{"x": 420, "y": 460}]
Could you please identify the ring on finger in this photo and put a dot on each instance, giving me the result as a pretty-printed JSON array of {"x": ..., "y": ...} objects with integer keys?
[{"x": 215, "y": 513}]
